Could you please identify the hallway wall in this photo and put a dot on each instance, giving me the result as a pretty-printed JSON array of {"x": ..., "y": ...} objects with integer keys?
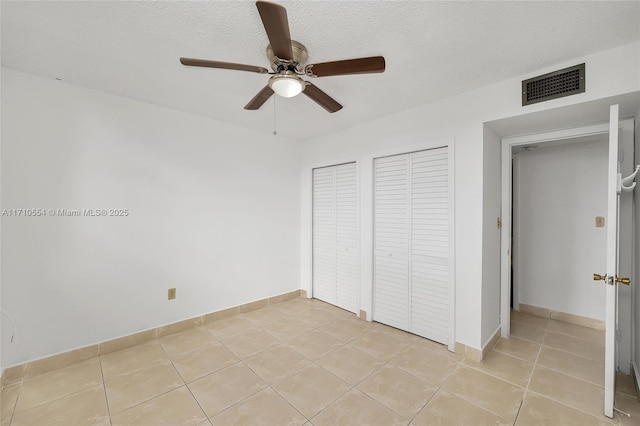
[{"x": 558, "y": 246}]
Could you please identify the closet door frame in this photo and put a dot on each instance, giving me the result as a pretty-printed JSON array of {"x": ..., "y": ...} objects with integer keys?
[
  {"x": 408, "y": 148},
  {"x": 310, "y": 171}
]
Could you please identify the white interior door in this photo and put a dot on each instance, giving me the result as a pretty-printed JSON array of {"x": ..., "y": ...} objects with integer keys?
[{"x": 612, "y": 263}]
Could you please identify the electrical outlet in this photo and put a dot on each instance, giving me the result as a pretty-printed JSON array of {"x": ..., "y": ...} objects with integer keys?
[
  {"x": 172, "y": 293},
  {"x": 599, "y": 221}
]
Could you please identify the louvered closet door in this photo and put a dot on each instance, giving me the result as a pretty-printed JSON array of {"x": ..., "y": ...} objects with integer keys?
[
  {"x": 391, "y": 242},
  {"x": 411, "y": 275},
  {"x": 430, "y": 244},
  {"x": 335, "y": 236}
]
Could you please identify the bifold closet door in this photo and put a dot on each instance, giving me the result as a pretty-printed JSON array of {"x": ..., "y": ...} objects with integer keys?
[
  {"x": 411, "y": 238},
  {"x": 335, "y": 236}
]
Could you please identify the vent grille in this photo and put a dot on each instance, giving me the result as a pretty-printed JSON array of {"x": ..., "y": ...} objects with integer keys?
[{"x": 557, "y": 84}]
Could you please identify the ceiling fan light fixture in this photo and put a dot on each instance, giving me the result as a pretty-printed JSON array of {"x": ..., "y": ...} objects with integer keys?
[{"x": 287, "y": 85}]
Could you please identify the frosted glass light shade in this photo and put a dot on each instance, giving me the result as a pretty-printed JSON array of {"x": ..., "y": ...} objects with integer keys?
[{"x": 286, "y": 86}]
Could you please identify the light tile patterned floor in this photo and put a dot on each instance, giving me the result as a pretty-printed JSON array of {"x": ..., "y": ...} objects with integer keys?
[{"x": 307, "y": 362}]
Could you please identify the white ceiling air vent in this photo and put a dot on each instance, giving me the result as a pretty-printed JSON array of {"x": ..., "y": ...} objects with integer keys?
[{"x": 557, "y": 84}]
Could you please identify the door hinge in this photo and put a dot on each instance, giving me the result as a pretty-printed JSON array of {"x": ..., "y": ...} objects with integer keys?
[{"x": 499, "y": 223}]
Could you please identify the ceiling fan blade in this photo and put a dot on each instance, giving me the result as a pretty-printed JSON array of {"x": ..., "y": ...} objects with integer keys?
[
  {"x": 369, "y": 65},
  {"x": 321, "y": 98},
  {"x": 224, "y": 65},
  {"x": 259, "y": 99},
  {"x": 274, "y": 19}
]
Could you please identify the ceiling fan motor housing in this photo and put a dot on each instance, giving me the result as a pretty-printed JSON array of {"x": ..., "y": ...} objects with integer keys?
[{"x": 296, "y": 64}]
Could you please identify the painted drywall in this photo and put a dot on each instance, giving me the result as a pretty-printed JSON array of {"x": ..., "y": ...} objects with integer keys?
[
  {"x": 491, "y": 194},
  {"x": 559, "y": 247},
  {"x": 460, "y": 118},
  {"x": 213, "y": 210}
]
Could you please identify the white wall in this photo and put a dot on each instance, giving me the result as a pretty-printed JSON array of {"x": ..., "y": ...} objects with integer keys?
[
  {"x": 214, "y": 211},
  {"x": 491, "y": 194},
  {"x": 460, "y": 118},
  {"x": 559, "y": 247}
]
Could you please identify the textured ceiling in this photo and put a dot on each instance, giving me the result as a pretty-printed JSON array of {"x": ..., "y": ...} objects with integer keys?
[{"x": 433, "y": 50}]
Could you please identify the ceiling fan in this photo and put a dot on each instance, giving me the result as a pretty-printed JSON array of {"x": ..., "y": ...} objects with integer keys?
[{"x": 288, "y": 61}]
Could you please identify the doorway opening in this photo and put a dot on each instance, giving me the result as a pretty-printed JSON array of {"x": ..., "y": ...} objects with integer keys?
[{"x": 562, "y": 218}]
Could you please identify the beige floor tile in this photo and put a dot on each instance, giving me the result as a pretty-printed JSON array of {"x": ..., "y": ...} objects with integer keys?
[
  {"x": 264, "y": 316},
  {"x": 505, "y": 367},
  {"x": 573, "y": 365},
  {"x": 527, "y": 332},
  {"x": 577, "y": 346},
  {"x": 624, "y": 384},
  {"x": 437, "y": 348},
  {"x": 65, "y": 359},
  {"x": 132, "y": 389},
  {"x": 8, "y": 400},
  {"x": 628, "y": 404},
  {"x": 251, "y": 343},
  {"x": 287, "y": 329},
  {"x": 356, "y": 408},
  {"x": 133, "y": 359},
  {"x": 265, "y": 408},
  {"x": 425, "y": 364},
  {"x": 537, "y": 410},
  {"x": 495, "y": 395},
  {"x": 231, "y": 327},
  {"x": 187, "y": 341},
  {"x": 277, "y": 363},
  {"x": 316, "y": 317},
  {"x": 403, "y": 336},
  {"x": 346, "y": 329},
  {"x": 350, "y": 363},
  {"x": 196, "y": 364},
  {"x": 56, "y": 384},
  {"x": 398, "y": 390},
  {"x": 219, "y": 391},
  {"x": 380, "y": 345},
  {"x": 578, "y": 331},
  {"x": 315, "y": 344},
  {"x": 86, "y": 407},
  {"x": 339, "y": 313},
  {"x": 294, "y": 306},
  {"x": 568, "y": 390},
  {"x": 177, "y": 407},
  {"x": 530, "y": 320},
  {"x": 311, "y": 389},
  {"x": 519, "y": 348},
  {"x": 445, "y": 409}
]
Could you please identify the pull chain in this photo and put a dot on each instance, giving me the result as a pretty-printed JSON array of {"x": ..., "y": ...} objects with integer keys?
[{"x": 274, "y": 116}]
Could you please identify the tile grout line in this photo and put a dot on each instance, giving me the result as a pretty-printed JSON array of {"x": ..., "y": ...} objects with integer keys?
[
  {"x": 527, "y": 390},
  {"x": 268, "y": 385},
  {"x": 183, "y": 379},
  {"x": 15, "y": 404},
  {"x": 535, "y": 364},
  {"x": 104, "y": 387}
]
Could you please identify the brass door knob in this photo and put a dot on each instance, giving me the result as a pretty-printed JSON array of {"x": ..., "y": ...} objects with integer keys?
[
  {"x": 598, "y": 277},
  {"x": 625, "y": 281}
]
